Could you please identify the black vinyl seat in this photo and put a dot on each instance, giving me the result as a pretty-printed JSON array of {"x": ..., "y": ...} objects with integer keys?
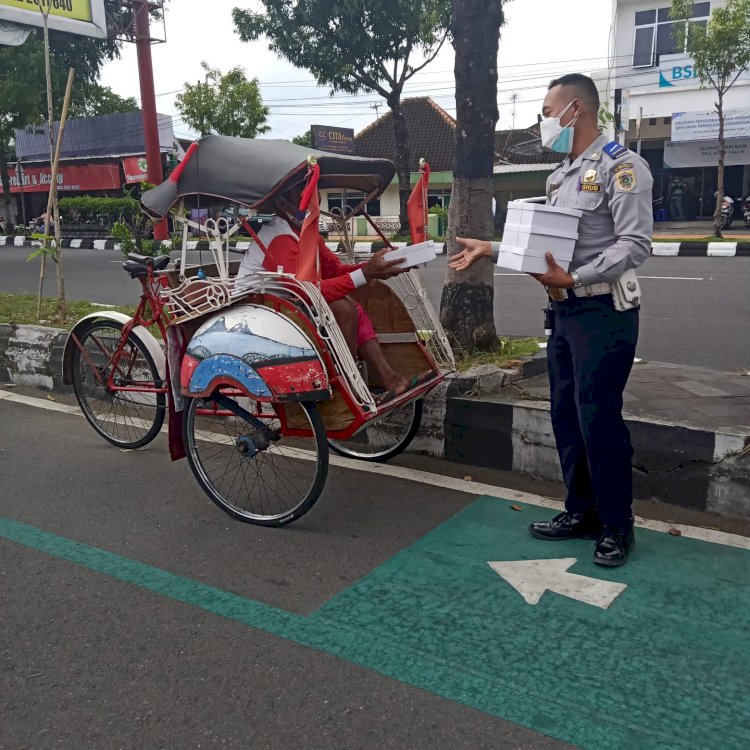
[{"x": 138, "y": 265}]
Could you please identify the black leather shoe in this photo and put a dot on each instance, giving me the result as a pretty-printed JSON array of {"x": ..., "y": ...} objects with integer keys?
[
  {"x": 567, "y": 526},
  {"x": 614, "y": 546}
]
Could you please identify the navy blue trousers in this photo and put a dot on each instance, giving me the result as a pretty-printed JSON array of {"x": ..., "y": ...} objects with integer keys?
[{"x": 589, "y": 358}]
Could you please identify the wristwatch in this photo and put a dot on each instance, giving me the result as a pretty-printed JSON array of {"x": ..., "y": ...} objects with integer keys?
[{"x": 577, "y": 283}]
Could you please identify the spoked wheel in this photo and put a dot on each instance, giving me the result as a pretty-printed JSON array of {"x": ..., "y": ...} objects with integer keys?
[
  {"x": 247, "y": 467},
  {"x": 128, "y": 419},
  {"x": 386, "y": 437}
]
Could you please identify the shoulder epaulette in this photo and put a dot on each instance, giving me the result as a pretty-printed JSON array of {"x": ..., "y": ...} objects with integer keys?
[{"x": 615, "y": 150}]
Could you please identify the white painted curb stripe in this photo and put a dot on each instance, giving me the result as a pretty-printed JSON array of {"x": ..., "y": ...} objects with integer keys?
[
  {"x": 18, "y": 241},
  {"x": 449, "y": 483},
  {"x": 3, "y": 239},
  {"x": 192, "y": 244},
  {"x": 722, "y": 249},
  {"x": 75, "y": 243},
  {"x": 665, "y": 249},
  {"x": 242, "y": 246},
  {"x": 100, "y": 244}
]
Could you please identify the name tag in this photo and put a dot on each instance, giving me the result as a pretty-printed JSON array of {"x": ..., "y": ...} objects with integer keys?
[{"x": 587, "y": 187}]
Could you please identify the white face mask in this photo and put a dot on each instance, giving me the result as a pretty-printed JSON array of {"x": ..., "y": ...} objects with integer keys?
[{"x": 554, "y": 135}]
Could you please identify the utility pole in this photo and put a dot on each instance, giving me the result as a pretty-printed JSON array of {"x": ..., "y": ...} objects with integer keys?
[
  {"x": 513, "y": 99},
  {"x": 148, "y": 104},
  {"x": 376, "y": 107}
]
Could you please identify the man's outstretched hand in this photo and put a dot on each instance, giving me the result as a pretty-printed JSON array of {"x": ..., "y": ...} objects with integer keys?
[
  {"x": 554, "y": 277},
  {"x": 380, "y": 268},
  {"x": 472, "y": 251}
]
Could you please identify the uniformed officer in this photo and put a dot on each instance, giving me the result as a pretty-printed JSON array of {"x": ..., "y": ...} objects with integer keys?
[{"x": 591, "y": 349}]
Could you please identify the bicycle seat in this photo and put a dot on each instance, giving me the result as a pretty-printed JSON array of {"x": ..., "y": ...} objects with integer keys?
[{"x": 138, "y": 265}]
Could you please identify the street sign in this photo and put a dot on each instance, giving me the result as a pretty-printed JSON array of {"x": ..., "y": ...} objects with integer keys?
[
  {"x": 531, "y": 578},
  {"x": 84, "y": 17},
  {"x": 333, "y": 139}
]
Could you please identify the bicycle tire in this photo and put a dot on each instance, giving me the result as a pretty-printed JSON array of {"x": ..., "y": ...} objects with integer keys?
[
  {"x": 125, "y": 419},
  {"x": 232, "y": 491},
  {"x": 376, "y": 436}
]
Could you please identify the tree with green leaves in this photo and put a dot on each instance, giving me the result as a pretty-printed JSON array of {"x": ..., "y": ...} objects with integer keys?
[
  {"x": 721, "y": 53},
  {"x": 467, "y": 304},
  {"x": 305, "y": 139},
  {"x": 224, "y": 104},
  {"x": 355, "y": 46},
  {"x": 23, "y": 97}
]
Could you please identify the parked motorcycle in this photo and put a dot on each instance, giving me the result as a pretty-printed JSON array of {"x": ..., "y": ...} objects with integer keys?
[
  {"x": 746, "y": 211},
  {"x": 727, "y": 212}
]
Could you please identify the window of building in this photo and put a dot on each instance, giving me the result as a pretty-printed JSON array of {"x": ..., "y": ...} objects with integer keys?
[
  {"x": 652, "y": 121},
  {"x": 667, "y": 120},
  {"x": 655, "y": 33},
  {"x": 440, "y": 198},
  {"x": 352, "y": 198}
]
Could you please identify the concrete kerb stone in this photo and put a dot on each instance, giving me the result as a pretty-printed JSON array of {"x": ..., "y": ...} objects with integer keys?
[
  {"x": 676, "y": 464},
  {"x": 362, "y": 250},
  {"x": 470, "y": 419}
]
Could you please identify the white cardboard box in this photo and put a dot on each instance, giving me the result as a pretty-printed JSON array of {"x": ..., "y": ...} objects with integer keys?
[
  {"x": 413, "y": 255},
  {"x": 533, "y": 229},
  {"x": 520, "y": 261}
]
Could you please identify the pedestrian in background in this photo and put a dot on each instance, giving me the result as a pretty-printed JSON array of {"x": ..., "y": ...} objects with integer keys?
[
  {"x": 591, "y": 348},
  {"x": 676, "y": 192}
]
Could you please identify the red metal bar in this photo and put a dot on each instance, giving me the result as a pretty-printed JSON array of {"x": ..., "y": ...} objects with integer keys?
[{"x": 148, "y": 104}]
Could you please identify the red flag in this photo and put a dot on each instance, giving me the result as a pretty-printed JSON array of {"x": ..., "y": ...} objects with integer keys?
[
  {"x": 307, "y": 261},
  {"x": 416, "y": 206}
]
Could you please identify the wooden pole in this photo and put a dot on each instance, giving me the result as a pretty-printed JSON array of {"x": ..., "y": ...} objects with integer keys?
[
  {"x": 61, "y": 307},
  {"x": 50, "y": 124}
]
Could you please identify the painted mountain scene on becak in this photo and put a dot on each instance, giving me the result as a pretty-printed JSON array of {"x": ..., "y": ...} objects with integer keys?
[{"x": 256, "y": 335}]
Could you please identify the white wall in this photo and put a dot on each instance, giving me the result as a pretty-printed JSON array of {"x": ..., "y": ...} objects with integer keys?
[{"x": 643, "y": 83}]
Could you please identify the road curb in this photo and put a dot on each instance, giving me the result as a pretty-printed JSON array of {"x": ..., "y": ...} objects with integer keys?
[
  {"x": 469, "y": 419},
  {"x": 674, "y": 463},
  {"x": 689, "y": 249}
]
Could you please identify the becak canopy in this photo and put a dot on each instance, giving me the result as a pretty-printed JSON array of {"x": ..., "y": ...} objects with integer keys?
[{"x": 252, "y": 172}]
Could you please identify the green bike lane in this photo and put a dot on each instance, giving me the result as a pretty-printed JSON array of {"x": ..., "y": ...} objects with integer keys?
[{"x": 652, "y": 655}]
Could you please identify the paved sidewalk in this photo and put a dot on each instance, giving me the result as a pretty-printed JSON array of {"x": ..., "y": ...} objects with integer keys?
[{"x": 694, "y": 396}]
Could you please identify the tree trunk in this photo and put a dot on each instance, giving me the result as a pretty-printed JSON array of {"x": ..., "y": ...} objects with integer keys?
[
  {"x": 466, "y": 308},
  {"x": 4, "y": 176},
  {"x": 403, "y": 158},
  {"x": 720, "y": 173}
]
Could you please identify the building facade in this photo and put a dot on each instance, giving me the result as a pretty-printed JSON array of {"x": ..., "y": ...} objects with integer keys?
[{"x": 664, "y": 112}]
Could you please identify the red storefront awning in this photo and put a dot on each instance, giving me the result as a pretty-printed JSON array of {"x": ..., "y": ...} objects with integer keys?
[{"x": 71, "y": 177}]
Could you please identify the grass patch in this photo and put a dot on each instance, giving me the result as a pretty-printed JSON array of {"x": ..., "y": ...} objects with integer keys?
[
  {"x": 21, "y": 310},
  {"x": 508, "y": 355}
]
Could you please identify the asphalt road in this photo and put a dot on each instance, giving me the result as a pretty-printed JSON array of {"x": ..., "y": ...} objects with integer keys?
[
  {"x": 137, "y": 615},
  {"x": 695, "y": 310}
]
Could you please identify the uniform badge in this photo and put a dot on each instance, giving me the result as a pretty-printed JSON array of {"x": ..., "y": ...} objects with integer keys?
[
  {"x": 620, "y": 167},
  {"x": 591, "y": 187},
  {"x": 625, "y": 179},
  {"x": 590, "y": 176},
  {"x": 551, "y": 190}
]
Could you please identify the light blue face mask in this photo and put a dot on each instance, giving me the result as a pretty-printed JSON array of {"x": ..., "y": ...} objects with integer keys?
[{"x": 555, "y": 136}]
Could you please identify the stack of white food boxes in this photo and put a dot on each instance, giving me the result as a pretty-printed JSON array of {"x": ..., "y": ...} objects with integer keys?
[
  {"x": 533, "y": 229},
  {"x": 413, "y": 255}
]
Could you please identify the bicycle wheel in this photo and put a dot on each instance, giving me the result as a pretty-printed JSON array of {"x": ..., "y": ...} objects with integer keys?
[
  {"x": 385, "y": 438},
  {"x": 128, "y": 419},
  {"x": 249, "y": 469}
]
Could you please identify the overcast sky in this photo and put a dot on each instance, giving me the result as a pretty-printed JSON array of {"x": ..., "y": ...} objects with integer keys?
[{"x": 541, "y": 39}]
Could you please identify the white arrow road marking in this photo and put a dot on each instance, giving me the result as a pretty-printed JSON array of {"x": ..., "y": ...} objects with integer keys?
[{"x": 531, "y": 578}]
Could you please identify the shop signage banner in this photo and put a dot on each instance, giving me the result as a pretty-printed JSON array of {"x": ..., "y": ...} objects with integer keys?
[
  {"x": 704, "y": 126},
  {"x": 335, "y": 140},
  {"x": 69, "y": 178},
  {"x": 705, "y": 154},
  {"x": 136, "y": 168},
  {"x": 84, "y": 17}
]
